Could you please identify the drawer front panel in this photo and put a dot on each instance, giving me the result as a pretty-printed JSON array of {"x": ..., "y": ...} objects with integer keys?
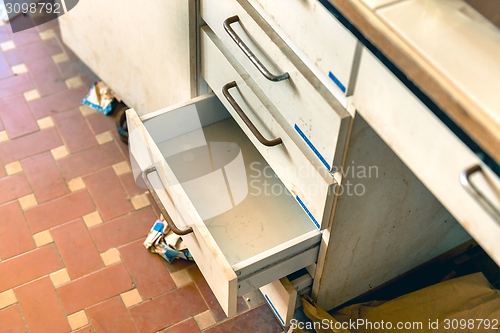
[
  {"x": 434, "y": 154},
  {"x": 317, "y": 33},
  {"x": 312, "y": 113},
  {"x": 237, "y": 241},
  {"x": 283, "y": 295},
  {"x": 290, "y": 165}
]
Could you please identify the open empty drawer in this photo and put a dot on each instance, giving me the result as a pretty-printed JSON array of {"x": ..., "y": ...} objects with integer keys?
[{"x": 215, "y": 187}]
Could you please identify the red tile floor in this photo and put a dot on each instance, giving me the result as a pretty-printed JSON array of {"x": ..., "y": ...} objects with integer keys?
[{"x": 72, "y": 220}]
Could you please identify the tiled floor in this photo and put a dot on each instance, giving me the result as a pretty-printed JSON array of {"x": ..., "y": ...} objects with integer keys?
[{"x": 71, "y": 253}]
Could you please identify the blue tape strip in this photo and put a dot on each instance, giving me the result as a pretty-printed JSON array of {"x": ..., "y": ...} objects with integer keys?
[
  {"x": 274, "y": 309},
  {"x": 337, "y": 81},
  {"x": 308, "y": 212},
  {"x": 309, "y": 143},
  {"x": 158, "y": 227}
]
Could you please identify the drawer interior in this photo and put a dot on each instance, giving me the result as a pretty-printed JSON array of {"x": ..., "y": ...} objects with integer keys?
[{"x": 243, "y": 204}]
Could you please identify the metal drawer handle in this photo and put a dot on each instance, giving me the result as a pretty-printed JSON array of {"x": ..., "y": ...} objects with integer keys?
[
  {"x": 243, "y": 116},
  {"x": 170, "y": 223},
  {"x": 480, "y": 197},
  {"x": 262, "y": 69}
]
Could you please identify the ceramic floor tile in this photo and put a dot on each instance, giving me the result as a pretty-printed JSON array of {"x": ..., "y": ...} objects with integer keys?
[
  {"x": 100, "y": 123},
  {"x": 7, "y": 298},
  {"x": 8, "y": 45},
  {"x": 121, "y": 145},
  {"x": 74, "y": 82},
  {"x": 110, "y": 257},
  {"x": 46, "y": 76},
  {"x": 205, "y": 320},
  {"x": 94, "y": 288},
  {"x": 60, "y": 210},
  {"x": 12, "y": 320},
  {"x": 111, "y": 316},
  {"x": 86, "y": 329},
  {"x": 25, "y": 37},
  {"x": 58, "y": 102},
  {"x": 15, "y": 85},
  {"x": 130, "y": 298},
  {"x": 147, "y": 270},
  {"x": 76, "y": 184},
  {"x": 149, "y": 316},
  {"x": 13, "y": 187},
  {"x": 90, "y": 160},
  {"x": 44, "y": 177},
  {"x": 60, "y": 277},
  {"x": 59, "y": 152},
  {"x": 209, "y": 296},
  {"x": 92, "y": 219},
  {"x": 74, "y": 130},
  {"x": 47, "y": 34},
  {"x": 77, "y": 249},
  {"x": 43, "y": 238},
  {"x": 41, "y": 307},
  {"x": 28, "y": 201},
  {"x": 19, "y": 69},
  {"x": 130, "y": 185},
  {"x": 31, "y": 95},
  {"x": 122, "y": 168},
  {"x": 3, "y": 172},
  {"x": 13, "y": 168},
  {"x": 29, "y": 145},
  {"x": 78, "y": 320},
  {"x": 74, "y": 67},
  {"x": 108, "y": 194},
  {"x": 4, "y": 136},
  {"x": 181, "y": 278},
  {"x": 15, "y": 236},
  {"x": 4, "y": 35},
  {"x": 178, "y": 265},
  {"x": 46, "y": 122},
  {"x": 60, "y": 57},
  {"x": 5, "y": 69},
  {"x": 42, "y": 261},
  {"x": 16, "y": 116},
  {"x": 123, "y": 230},
  {"x": 259, "y": 320},
  {"x": 33, "y": 51},
  {"x": 188, "y": 326}
]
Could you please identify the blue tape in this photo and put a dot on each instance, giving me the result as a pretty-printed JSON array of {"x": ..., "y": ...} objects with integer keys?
[
  {"x": 274, "y": 309},
  {"x": 337, "y": 81},
  {"x": 158, "y": 227},
  {"x": 309, "y": 143},
  {"x": 307, "y": 212}
]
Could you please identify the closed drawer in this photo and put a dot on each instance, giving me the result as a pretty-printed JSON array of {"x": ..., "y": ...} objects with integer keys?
[
  {"x": 209, "y": 177},
  {"x": 319, "y": 35},
  {"x": 432, "y": 151},
  {"x": 313, "y": 114},
  {"x": 310, "y": 189}
]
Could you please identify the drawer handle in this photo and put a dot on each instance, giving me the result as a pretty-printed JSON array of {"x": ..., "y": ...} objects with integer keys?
[
  {"x": 262, "y": 69},
  {"x": 170, "y": 223},
  {"x": 480, "y": 197},
  {"x": 243, "y": 116}
]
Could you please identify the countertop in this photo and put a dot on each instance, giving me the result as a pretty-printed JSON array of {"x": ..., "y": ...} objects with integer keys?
[{"x": 470, "y": 119}]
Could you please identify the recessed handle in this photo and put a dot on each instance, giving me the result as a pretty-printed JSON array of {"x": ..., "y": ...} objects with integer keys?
[
  {"x": 250, "y": 55},
  {"x": 243, "y": 116},
  {"x": 474, "y": 191},
  {"x": 156, "y": 198}
]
